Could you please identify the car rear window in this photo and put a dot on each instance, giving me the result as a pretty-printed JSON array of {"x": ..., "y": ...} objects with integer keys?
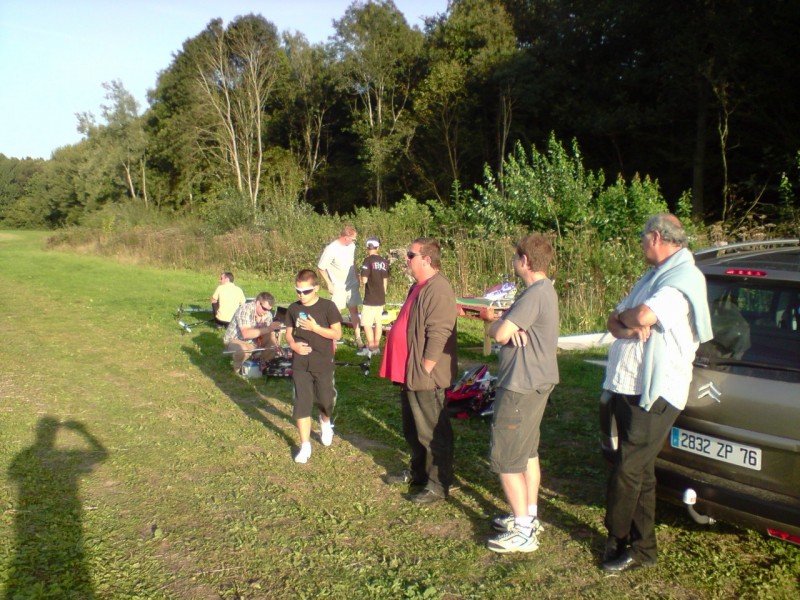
[{"x": 756, "y": 328}]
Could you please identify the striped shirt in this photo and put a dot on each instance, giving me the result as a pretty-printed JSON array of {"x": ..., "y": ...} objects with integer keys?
[
  {"x": 245, "y": 316},
  {"x": 674, "y": 314}
]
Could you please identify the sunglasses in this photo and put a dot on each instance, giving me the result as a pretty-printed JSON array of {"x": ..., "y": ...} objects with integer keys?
[
  {"x": 265, "y": 308},
  {"x": 410, "y": 255},
  {"x": 304, "y": 292}
]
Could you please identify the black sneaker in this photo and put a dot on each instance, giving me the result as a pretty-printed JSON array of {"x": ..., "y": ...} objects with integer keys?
[
  {"x": 427, "y": 496},
  {"x": 403, "y": 478}
]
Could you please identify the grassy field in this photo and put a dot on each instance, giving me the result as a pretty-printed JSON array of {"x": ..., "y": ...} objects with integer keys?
[{"x": 136, "y": 465}]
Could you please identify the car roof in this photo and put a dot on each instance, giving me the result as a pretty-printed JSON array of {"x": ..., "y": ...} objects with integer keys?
[{"x": 776, "y": 258}]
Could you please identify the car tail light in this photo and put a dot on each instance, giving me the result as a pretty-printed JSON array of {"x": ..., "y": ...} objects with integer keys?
[
  {"x": 782, "y": 535},
  {"x": 746, "y": 272}
]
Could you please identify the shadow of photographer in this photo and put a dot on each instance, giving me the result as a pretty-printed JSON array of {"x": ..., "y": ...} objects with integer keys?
[{"x": 49, "y": 558}]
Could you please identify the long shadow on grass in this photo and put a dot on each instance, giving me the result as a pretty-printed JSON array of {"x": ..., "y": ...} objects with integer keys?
[
  {"x": 49, "y": 558},
  {"x": 205, "y": 357}
]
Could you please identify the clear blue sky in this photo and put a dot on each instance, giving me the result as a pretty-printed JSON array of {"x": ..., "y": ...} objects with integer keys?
[{"x": 55, "y": 54}]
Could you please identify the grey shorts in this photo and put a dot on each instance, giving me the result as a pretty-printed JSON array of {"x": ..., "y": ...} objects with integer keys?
[{"x": 515, "y": 428}]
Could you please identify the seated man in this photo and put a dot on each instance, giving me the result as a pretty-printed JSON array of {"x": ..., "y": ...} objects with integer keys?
[
  {"x": 252, "y": 327},
  {"x": 226, "y": 299}
]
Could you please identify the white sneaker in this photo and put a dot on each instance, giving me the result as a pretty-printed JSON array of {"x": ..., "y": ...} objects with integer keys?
[
  {"x": 363, "y": 352},
  {"x": 304, "y": 454},
  {"x": 506, "y": 523},
  {"x": 513, "y": 541},
  {"x": 326, "y": 433}
]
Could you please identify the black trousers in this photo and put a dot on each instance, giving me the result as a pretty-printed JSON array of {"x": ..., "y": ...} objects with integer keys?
[
  {"x": 631, "y": 500},
  {"x": 429, "y": 433}
]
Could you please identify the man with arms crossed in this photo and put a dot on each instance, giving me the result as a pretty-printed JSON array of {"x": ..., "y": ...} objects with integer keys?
[
  {"x": 658, "y": 327},
  {"x": 337, "y": 266},
  {"x": 527, "y": 373}
]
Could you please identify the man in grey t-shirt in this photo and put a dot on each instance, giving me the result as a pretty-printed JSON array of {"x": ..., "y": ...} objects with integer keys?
[{"x": 527, "y": 373}]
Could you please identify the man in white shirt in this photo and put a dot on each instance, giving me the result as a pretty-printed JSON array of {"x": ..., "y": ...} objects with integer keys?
[
  {"x": 658, "y": 327},
  {"x": 337, "y": 267},
  {"x": 226, "y": 299}
]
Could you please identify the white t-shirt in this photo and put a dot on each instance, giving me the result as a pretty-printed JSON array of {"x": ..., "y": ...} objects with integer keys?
[
  {"x": 339, "y": 261},
  {"x": 674, "y": 314}
]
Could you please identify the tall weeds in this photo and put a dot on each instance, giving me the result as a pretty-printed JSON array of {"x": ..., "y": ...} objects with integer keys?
[{"x": 595, "y": 230}]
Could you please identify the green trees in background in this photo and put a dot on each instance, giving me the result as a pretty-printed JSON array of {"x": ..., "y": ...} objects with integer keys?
[
  {"x": 115, "y": 152},
  {"x": 378, "y": 54},
  {"x": 237, "y": 71},
  {"x": 246, "y": 126}
]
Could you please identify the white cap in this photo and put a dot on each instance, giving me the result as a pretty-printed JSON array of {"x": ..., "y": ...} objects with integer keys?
[{"x": 373, "y": 243}]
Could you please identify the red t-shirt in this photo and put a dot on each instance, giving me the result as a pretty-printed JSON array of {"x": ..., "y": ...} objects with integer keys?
[{"x": 395, "y": 354}]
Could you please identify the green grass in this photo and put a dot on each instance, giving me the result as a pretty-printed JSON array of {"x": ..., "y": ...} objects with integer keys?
[{"x": 136, "y": 465}]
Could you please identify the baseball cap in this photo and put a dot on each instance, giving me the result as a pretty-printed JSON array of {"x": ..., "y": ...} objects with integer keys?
[{"x": 373, "y": 243}]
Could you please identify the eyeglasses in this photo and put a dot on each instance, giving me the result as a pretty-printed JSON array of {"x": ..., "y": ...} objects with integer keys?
[
  {"x": 304, "y": 292},
  {"x": 410, "y": 255},
  {"x": 265, "y": 308}
]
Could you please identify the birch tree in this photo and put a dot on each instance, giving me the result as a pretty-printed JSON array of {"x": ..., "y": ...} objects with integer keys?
[{"x": 236, "y": 75}]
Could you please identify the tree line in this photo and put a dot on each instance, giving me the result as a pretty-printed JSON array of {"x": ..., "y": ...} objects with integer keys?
[{"x": 696, "y": 98}]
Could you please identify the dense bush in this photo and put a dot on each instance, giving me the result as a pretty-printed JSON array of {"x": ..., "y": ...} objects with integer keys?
[{"x": 594, "y": 227}]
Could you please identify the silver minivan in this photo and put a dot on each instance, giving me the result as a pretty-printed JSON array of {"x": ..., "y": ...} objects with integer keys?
[{"x": 734, "y": 452}]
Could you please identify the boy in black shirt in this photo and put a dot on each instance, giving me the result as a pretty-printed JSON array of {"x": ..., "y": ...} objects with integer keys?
[{"x": 313, "y": 326}]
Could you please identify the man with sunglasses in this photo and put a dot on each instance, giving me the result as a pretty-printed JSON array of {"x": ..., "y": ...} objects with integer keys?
[
  {"x": 420, "y": 356},
  {"x": 251, "y": 321},
  {"x": 337, "y": 267},
  {"x": 313, "y": 325}
]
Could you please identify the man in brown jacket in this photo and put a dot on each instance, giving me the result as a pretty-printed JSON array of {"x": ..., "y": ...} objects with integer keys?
[{"x": 420, "y": 355}]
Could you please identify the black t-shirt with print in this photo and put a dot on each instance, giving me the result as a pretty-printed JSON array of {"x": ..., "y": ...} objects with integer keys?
[
  {"x": 325, "y": 313},
  {"x": 375, "y": 268}
]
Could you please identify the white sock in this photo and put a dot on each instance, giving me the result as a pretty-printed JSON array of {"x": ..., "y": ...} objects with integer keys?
[
  {"x": 533, "y": 510},
  {"x": 304, "y": 454},
  {"x": 524, "y": 524}
]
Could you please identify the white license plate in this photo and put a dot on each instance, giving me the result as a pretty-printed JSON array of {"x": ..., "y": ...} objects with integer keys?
[{"x": 715, "y": 448}]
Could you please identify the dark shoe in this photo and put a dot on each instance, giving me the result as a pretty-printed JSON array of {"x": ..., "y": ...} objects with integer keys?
[
  {"x": 624, "y": 563},
  {"x": 613, "y": 550},
  {"x": 427, "y": 496},
  {"x": 404, "y": 477}
]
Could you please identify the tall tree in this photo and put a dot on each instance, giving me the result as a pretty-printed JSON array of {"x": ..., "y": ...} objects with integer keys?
[
  {"x": 378, "y": 52},
  {"x": 236, "y": 75},
  {"x": 310, "y": 88},
  {"x": 119, "y": 143},
  {"x": 465, "y": 50}
]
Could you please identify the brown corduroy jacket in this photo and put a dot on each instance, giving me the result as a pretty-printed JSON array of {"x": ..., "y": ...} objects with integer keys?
[{"x": 432, "y": 335}]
